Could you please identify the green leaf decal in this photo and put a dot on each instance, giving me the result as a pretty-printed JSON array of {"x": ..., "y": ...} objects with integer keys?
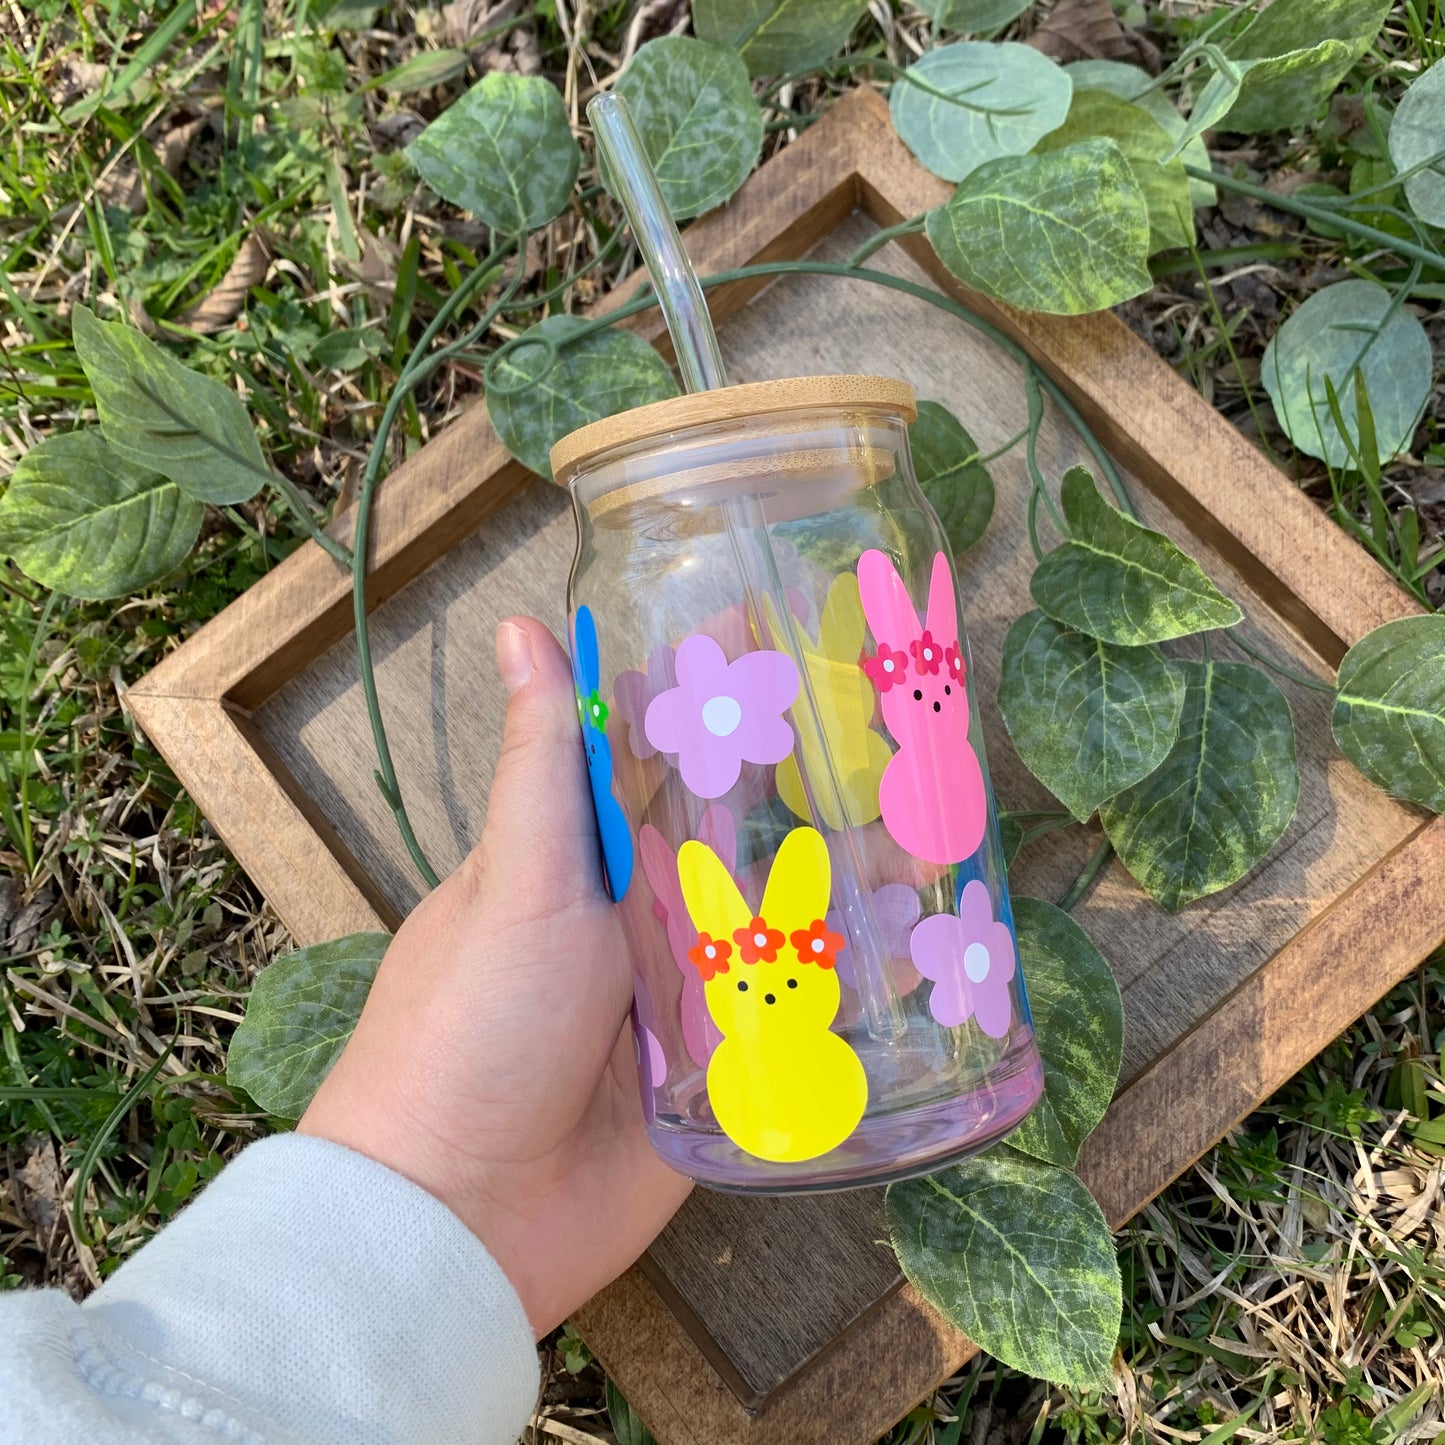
[
  {"x": 1417, "y": 133},
  {"x": 956, "y": 483},
  {"x": 700, "y": 124},
  {"x": 1299, "y": 51},
  {"x": 503, "y": 151},
  {"x": 158, "y": 414},
  {"x": 547, "y": 395},
  {"x": 1120, "y": 581},
  {"x": 1221, "y": 799},
  {"x": 1087, "y": 718},
  {"x": 1132, "y": 83},
  {"x": 1389, "y": 714},
  {"x": 1143, "y": 141},
  {"x": 301, "y": 1013},
  {"x": 973, "y": 16},
  {"x": 1079, "y": 1024},
  {"x": 81, "y": 519},
  {"x": 777, "y": 35},
  {"x": 1016, "y": 1254},
  {"x": 961, "y": 105},
  {"x": 1064, "y": 233},
  {"x": 1350, "y": 325},
  {"x": 302, "y": 1010}
]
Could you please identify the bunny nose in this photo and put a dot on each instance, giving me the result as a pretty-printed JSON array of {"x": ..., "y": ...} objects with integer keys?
[{"x": 938, "y": 707}]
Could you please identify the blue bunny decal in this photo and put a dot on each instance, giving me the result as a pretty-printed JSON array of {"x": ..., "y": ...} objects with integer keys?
[{"x": 592, "y": 710}]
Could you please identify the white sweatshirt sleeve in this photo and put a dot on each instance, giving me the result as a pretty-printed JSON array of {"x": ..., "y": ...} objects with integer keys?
[{"x": 309, "y": 1296}]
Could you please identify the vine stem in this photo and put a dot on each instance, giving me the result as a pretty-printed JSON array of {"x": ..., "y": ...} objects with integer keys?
[
  {"x": 1092, "y": 868},
  {"x": 1298, "y": 678},
  {"x": 1325, "y": 214},
  {"x": 893, "y": 283},
  {"x": 419, "y": 365}
]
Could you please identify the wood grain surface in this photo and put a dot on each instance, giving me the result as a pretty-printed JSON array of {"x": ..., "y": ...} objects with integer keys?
[{"x": 783, "y": 1320}]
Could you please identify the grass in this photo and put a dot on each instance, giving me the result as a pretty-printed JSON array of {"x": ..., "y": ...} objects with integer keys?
[{"x": 242, "y": 193}]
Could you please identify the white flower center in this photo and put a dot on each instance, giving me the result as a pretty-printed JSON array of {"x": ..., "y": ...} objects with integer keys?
[
  {"x": 721, "y": 715},
  {"x": 975, "y": 962},
  {"x": 710, "y": 951},
  {"x": 928, "y": 654},
  {"x": 817, "y": 945},
  {"x": 761, "y": 939},
  {"x": 888, "y": 664}
]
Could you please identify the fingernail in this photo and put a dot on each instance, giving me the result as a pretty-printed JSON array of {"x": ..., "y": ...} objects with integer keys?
[{"x": 514, "y": 657}]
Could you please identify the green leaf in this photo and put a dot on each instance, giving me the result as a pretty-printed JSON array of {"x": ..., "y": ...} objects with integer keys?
[
  {"x": 1121, "y": 582},
  {"x": 302, "y": 1010},
  {"x": 1064, "y": 233},
  {"x": 626, "y": 1423},
  {"x": 1143, "y": 141},
  {"x": 81, "y": 519},
  {"x": 1079, "y": 1025},
  {"x": 956, "y": 483},
  {"x": 545, "y": 396},
  {"x": 163, "y": 416},
  {"x": 973, "y": 16},
  {"x": 699, "y": 121},
  {"x": 962, "y": 105},
  {"x": 1417, "y": 132},
  {"x": 774, "y": 36},
  {"x": 1016, "y": 1254},
  {"x": 421, "y": 72},
  {"x": 1212, "y": 105},
  {"x": 503, "y": 151},
  {"x": 1132, "y": 83},
  {"x": 1087, "y": 718},
  {"x": 1389, "y": 714},
  {"x": 1221, "y": 799},
  {"x": 1347, "y": 325},
  {"x": 1011, "y": 837},
  {"x": 1301, "y": 50}
]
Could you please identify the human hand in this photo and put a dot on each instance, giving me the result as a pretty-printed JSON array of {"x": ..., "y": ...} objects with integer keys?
[{"x": 491, "y": 1064}]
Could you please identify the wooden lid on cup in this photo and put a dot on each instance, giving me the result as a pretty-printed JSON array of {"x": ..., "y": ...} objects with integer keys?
[{"x": 843, "y": 394}]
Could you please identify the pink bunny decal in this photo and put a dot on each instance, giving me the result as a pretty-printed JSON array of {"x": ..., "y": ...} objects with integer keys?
[
  {"x": 931, "y": 794},
  {"x": 718, "y": 830}
]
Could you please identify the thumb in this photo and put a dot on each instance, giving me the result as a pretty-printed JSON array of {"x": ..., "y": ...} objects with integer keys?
[{"x": 541, "y": 833}]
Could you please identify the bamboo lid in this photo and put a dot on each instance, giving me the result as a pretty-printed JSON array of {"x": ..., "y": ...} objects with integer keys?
[{"x": 859, "y": 394}]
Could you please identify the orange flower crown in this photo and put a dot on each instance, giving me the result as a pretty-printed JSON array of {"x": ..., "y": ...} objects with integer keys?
[{"x": 759, "y": 943}]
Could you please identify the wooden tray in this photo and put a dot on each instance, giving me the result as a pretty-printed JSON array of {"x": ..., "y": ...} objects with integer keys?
[{"x": 785, "y": 1320}]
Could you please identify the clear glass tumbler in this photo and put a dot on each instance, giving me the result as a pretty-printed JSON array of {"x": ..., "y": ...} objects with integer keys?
[{"x": 776, "y": 700}]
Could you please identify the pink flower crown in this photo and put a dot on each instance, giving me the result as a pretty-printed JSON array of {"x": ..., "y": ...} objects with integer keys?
[{"x": 889, "y": 666}]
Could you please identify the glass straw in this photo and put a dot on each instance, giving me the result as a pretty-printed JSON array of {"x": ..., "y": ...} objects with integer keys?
[{"x": 633, "y": 183}]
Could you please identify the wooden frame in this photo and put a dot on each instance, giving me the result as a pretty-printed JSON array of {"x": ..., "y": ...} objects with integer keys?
[{"x": 198, "y": 708}]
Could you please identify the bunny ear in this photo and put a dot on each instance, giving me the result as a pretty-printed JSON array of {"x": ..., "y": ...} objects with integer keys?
[
  {"x": 840, "y": 634},
  {"x": 660, "y": 866},
  {"x": 942, "y": 606},
  {"x": 586, "y": 664},
  {"x": 713, "y": 901},
  {"x": 800, "y": 881},
  {"x": 886, "y": 602},
  {"x": 719, "y": 831}
]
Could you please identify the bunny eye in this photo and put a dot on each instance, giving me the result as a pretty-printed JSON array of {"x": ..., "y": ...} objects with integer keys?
[
  {"x": 947, "y": 691},
  {"x": 917, "y": 694}
]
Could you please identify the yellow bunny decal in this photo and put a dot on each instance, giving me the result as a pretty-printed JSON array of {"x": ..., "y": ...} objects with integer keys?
[
  {"x": 846, "y": 699},
  {"x": 782, "y": 1085}
]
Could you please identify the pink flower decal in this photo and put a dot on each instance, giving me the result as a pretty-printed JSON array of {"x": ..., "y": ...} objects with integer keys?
[
  {"x": 886, "y": 668},
  {"x": 722, "y": 714},
  {"x": 954, "y": 657},
  {"x": 633, "y": 692},
  {"x": 927, "y": 654},
  {"x": 971, "y": 960}
]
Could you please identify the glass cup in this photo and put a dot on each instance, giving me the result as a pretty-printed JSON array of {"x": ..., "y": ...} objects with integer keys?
[{"x": 776, "y": 700}]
